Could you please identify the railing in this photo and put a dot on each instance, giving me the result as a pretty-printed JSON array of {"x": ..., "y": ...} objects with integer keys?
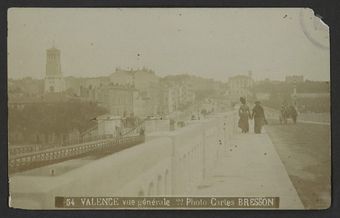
[
  {"x": 40, "y": 158},
  {"x": 24, "y": 158},
  {"x": 88, "y": 139},
  {"x": 169, "y": 163},
  {"x": 19, "y": 149}
]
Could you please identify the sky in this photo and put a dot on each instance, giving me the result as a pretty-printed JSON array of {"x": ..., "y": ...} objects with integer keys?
[{"x": 213, "y": 43}]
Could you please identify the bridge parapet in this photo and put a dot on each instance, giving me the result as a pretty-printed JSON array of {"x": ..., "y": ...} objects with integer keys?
[
  {"x": 44, "y": 157},
  {"x": 169, "y": 163},
  {"x": 20, "y": 149}
]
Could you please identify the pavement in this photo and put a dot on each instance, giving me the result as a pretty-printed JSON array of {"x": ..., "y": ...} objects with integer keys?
[
  {"x": 305, "y": 150},
  {"x": 251, "y": 167}
]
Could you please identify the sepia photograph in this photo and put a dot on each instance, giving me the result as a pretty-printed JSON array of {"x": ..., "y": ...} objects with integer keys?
[{"x": 168, "y": 108}]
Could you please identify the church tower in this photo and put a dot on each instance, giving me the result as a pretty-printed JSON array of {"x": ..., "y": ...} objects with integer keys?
[{"x": 54, "y": 81}]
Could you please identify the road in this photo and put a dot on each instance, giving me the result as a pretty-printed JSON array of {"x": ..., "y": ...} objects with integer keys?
[{"x": 305, "y": 150}]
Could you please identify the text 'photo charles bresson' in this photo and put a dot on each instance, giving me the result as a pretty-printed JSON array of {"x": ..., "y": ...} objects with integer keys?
[{"x": 168, "y": 108}]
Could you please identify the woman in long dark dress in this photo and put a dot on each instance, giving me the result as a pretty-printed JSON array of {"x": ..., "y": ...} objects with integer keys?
[
  {"x": 244, "y": 114},
  {"x": 259, "y": 118}
]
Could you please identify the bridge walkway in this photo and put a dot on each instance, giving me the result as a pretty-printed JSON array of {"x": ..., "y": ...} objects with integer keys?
[{"x": 251, "y": 167}]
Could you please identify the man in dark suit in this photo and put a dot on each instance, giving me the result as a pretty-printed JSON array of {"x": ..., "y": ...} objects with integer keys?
[{"x": 259, "y": 117}]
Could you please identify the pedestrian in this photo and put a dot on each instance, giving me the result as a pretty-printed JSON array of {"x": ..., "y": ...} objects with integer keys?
[
  {"x": 259, "y": 117},
  {"x": 244, "y": 114},
  {"x": 293, "y": 113}
]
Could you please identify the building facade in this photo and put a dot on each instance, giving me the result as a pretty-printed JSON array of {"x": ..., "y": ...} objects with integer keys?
[
  {"x": 147, "y": 100},
  {"x": 54, "y": 81},
  {"x": 240, "y": 86},
  {"x": 118, "y": 99}
]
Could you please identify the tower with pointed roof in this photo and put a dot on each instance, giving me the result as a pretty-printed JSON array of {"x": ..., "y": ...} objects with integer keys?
[{"x": 54, "y": 81}]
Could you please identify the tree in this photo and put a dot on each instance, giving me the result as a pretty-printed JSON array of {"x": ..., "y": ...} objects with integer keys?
[{"x": 59, "y": 118}]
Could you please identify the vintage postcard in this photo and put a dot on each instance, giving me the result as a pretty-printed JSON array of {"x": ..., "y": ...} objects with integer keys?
[{"x": 168, "y": 108}]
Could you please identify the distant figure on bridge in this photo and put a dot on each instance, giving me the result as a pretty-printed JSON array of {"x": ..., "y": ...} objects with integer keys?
[
  {"x": 259, "y": 117},
  {"x": 141, "y": 131},
  {"x": 293, "y": 113},
  {"x": 283, "y": 113},
  {"x": 287, "y": 112},
  {"x": 244, "y": 114}
]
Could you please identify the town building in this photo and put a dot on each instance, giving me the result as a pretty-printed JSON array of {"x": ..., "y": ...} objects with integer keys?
[
  {"x": 240, "y": 86},
  {"x": 180, "y": 95},
  {"x": 173, "y": 98},
  {"x": 139, "y": 78},
  {"x": 54, "y": 81},
  {"x": 149, "y": 97},
  {"x": 118, "y": 99}
]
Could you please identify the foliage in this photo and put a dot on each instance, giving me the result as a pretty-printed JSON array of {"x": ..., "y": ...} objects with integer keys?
[{"x": 52, "y": 118}]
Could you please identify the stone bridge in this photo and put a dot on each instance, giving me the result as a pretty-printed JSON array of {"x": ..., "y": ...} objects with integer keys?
[{"x": 205, "y": 158}]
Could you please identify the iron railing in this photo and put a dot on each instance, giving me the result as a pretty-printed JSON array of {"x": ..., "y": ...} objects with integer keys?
[{"x": 103, "y": 147}]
